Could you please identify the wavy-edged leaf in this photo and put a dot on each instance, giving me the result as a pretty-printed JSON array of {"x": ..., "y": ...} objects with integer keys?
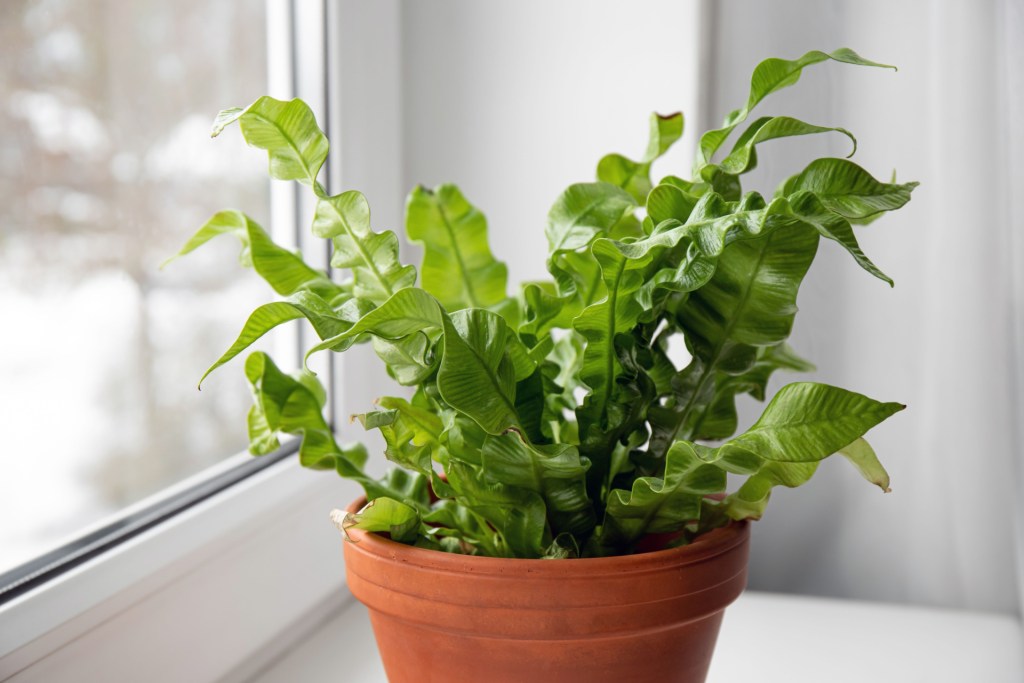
[
  {"x": 556, "y": 472},
  {"x": 412, "y": 434},
  {"x": 409, "y": 360},
  {"x": 399, "y": 520},
  {"x": 668, "y": 201},
  {"x": 808, "y": 208},
  {"x": 749, "y": 501},
  {"x": 458, "y": 267},
  {"x": 283, "y": 270},
  {"x": 626, "y": 269},
  {"x": 282, "y": 403},
  {"x": 847, "y": 189},
  {"x": 295, "y": 145},
  {"x": 517, "y": 514},
  {"x": 478, "y": 374},
  {"x": 634, "y": 176},
  {"x": 546, "y": 310},
  {"x": 325, "y": 321},
  {"x": 584, "y": 212},
  {"x": 804, "y": 423},
  {"x": 377, "y": 271},
  {"x": 770, "y": 76},
  {"x": 410, "y": 311},
  {"x": 807, "y": 421},
  {"x": 599, "y": 324},
  {"x": 863, "y": 457},
  {"x": 659, "y": 504},
  {"x": 450, "y": 519},
  {"x": 718, "y": 420},
  {"x": 294, "y": 405},
  {"x": 742, "y": 158},
  {"x": 749, "y": 302}
]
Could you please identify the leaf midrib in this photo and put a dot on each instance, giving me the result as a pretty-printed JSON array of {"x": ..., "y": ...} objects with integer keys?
[
  {"x": 291, "y": 143},
  {"x": 609, "y": 374},
  {"x": 363, "y": 254},
  {"x": 491, "y": 376},
  {"x": 709, "y": 368},
  {"x": 575, "y": 223},
  {"x": 470, "y": 294}
]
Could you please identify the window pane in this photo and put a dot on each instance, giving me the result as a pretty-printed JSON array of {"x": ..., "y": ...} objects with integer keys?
[{"x": 106, "y": 168}]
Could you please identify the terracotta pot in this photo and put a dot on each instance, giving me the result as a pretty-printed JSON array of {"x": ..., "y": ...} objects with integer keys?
[{"x": 647, "y": 617}]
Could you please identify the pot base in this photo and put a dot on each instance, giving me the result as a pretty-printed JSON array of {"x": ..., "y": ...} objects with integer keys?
[{"x": 414, "y": 653}]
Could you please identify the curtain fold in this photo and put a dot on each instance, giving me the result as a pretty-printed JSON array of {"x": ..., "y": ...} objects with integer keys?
[{"x": 947, "y": 339}]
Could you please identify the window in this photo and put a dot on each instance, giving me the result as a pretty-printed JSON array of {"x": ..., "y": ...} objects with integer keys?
[
  {"x": 251, "y": 555},
  {"x": 105, "y": 170}
]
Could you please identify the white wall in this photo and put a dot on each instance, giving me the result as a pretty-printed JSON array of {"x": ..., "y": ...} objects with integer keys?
[{"x": 515, "y": 100}]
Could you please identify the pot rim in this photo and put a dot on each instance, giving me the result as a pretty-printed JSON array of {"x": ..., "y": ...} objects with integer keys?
[{"x": 715, "y": 542}]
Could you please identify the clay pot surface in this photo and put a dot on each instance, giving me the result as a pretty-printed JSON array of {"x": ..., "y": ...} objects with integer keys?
[{"x": 453, "y": 618}]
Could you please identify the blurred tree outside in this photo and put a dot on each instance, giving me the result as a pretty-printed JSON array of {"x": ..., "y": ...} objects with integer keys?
[{"x": 106, "y": 168}]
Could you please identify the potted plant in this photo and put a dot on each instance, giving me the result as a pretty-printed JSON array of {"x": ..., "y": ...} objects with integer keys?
[{"x": 560, "y": 511}]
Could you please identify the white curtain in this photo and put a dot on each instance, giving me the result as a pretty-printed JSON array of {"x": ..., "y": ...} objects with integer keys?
[{"x": 947, "y": 340}]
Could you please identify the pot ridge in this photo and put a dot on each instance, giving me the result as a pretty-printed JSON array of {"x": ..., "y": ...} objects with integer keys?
[{"x": 647, "y": 617}]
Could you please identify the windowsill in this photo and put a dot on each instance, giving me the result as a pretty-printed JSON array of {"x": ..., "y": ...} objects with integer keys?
[
  {"x": 765, "y": 637},
  {"x": 223, "y": 581}
]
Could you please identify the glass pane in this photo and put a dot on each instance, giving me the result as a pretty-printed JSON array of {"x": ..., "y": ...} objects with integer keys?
[{"x": 106, "y": 168}]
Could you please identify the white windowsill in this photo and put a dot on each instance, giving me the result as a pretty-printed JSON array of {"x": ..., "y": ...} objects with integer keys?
[
  {"x": 224, "y": 582},
  {"x": 765, "y": 637}
]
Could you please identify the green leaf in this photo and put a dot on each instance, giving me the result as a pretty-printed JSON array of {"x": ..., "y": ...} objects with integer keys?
[
  {"x": 749, "y": 501},
  {"x": 282, "y": 403},
  {"x": 295, "y": 145},
  {"x": 373, "y": 257},
  {"x": 667, "y": 202},
  {"x": 806, "y": 422},
  {"x": 325, "y": 320},
  {"x": 742, "y": 158},
  {"x": 516, "y": 513},
  {"x": 770, "y": 76},
  {"x": 478, "y": 375},
  {"x": 634, "y": 176},
  {"x": 749, "y": 302},
  {"x": 409, "y": 360},
  {"x": 458, "y": 267},
  {"x": 847, "y": 189},
  {"x": 862, "y": 456},
  {"x": 626, "y": 269},
  {"x": 412, "y": 434},
  {"x": 449, "y": 518},
  {"x": 584, "y": 212},
  {"x": 409, "y": 312},
  {"x": 659, "y": 505},
  {"x": 806, "y": 207},
  {"x": 400, "y": 521},
  {"x": 718, "y": 420},
  {"x": 556, "y": 472},
  {"x": 286, "y": 272}
]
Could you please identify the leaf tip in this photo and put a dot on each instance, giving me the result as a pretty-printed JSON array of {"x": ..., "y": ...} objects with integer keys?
[{"x": 342, "y": 520}]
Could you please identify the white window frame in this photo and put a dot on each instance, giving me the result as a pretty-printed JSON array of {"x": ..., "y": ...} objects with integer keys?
[{"x": 220, "y": 590}]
